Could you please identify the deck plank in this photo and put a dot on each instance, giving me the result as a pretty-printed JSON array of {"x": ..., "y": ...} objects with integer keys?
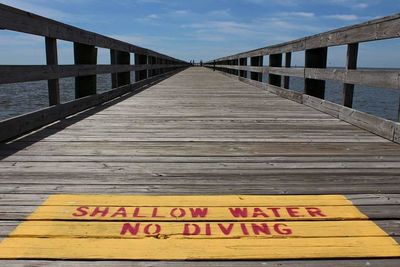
[{"x": 200, "y": 132}]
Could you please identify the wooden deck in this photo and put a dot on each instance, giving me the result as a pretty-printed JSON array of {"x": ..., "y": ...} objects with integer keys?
[{"x": 202, "y": 133}]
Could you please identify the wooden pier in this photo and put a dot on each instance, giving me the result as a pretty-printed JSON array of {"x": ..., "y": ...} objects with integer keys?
[{"x": 193, "y": 131}]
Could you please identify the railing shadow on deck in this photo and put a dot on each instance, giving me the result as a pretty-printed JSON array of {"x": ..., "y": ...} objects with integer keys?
[
  {"x": 12, "y": 147},
  {"x": 315, "y": 72},
  {"x": 149, "y": 66}
]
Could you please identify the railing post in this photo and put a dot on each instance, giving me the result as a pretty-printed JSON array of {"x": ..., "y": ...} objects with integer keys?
[
  {"x": 256, "y": 62},
  {"x": 275, "y": 61},
  {"x": 140, "y": 60},
  {"x": 315, "y": 58},
  {"x": 52, "y": 59},
  {"x": 243, "y": 62},
  {"x": 120, "y": 58},
  {"x": 351, "y": 64},
  {"x": 288, "y": 64},
  {"x": 85, "y": 55}
]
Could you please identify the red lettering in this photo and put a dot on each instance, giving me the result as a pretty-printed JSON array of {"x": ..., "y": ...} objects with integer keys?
[
  {"x": 208, "y": 229},
  {"x": 275, "y": 211},
  {"x": 154, "y": 213},
  {"x": 198, "y": 212},
  {"x": 294, "y": 212},
  {"x": 226, "y": 230},
  {"x": 181, "y": 212},
  {"x": 81, "y": 211},
  {"x": 283, "y": 231},
  {"x": 257, "y": 212},
  {"x": 127, "y": 227},
  {"x": 136, "y": 212},
  {"x": 196, "y": 229},
  {"x": 157, "y": 229},
  {"x": 239, "y": 212},
  {"x": 244, "y": 229},
  {"x": 315, "y": 212},
  {"x": 260, "y": 228},
  {"x": 98, "y": 210},
  {"x": 120, "y": 212}
]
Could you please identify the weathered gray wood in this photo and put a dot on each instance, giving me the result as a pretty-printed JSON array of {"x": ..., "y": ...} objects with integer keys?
[
  {"x": 18, "y": 20},
  {"x": 315, "y": 58},
  {"x": 288, "y": 63},
  {"x": 378, "y": 29},
  {"x": 22, "y": 124},
  {"x": 210, "y": 135},
  {"x": 374, "y": 78},
  {"x": 87, "y": 55},
  {"x": 351, "y": 64},
  {"x": 52, "y": 59},
  {"x": 374, "y": 124},
  {"x": 15, "y": 74}
]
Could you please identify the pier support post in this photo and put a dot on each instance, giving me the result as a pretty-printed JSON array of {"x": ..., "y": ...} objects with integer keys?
[
  {"x": 140, "y": 60},
  {"x": 85, "y": 55},
  {"x": 120, "y": 58},
  {"x": 288, "y": 64},
  {"x": 348, "y": 89},
  {"x": 315, "y": 58},
  {"x": 52, "y": 59},
  {"x": 275, "y": 61},
  {"x": 243, "y": 62},
  {"x": 256, "y": 62}
]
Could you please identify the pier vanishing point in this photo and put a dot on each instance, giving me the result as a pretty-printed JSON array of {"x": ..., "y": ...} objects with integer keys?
[{"x": 218, "y": 165}]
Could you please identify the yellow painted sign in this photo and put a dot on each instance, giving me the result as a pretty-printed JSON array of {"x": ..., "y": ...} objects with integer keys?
[{"x": 197, "y": 227}]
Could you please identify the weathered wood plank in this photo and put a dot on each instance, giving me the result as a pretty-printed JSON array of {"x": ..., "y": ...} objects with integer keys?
[{"x": 19, "y": 125}]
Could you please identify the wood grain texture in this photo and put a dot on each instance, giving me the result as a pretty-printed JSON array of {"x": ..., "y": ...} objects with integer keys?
[
  {"x": 199, "y": 132},
  {"x": 378, "y": 29}
]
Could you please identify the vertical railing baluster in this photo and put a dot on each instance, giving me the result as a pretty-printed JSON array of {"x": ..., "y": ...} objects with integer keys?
[
  {"x": 52, "y": 60},
  {"x": 351, "y": 64}
]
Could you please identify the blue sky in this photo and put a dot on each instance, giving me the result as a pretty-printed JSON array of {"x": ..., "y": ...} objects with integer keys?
[{"x": 202, "y": 29}]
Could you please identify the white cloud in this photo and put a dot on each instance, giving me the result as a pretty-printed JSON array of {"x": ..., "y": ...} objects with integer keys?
[
  {"x": 361, "y": 5},
  {"x": 345, "y": 17},
  {"x": 220, "y": 13},
  {"x": 298, "y": 14}
]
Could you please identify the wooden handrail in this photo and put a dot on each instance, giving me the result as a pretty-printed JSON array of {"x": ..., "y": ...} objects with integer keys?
[
  {"x": 378, "y": 29},
  {"x": 315, "y": 71},
  {"x": 149, "y": 66}
]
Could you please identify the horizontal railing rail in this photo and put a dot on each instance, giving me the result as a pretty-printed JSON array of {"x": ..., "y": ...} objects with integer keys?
[
  {"x": 149, "y": 67},
  {"x": 248, "y": 67}
]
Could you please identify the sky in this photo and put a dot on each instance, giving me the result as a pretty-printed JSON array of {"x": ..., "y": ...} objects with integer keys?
[{"x": 203, "y": 29}]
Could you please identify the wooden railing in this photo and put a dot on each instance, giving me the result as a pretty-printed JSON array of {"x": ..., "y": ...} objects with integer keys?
[
  {"x": 316, "y": 72},
  {"x": 149, "y": 67}
]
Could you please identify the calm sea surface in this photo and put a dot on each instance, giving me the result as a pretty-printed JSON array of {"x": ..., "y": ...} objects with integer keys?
[{"x": 17, "y": 99}]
